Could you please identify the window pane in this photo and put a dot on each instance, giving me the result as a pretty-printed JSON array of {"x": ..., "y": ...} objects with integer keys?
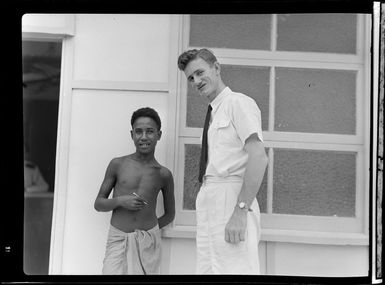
[
  {"x": 253, "y": 82},
  {"x": 315, "y": 101},
  {"x": 196, "y": 109},
  {"x": 191, "y": 184},
  {"x": 191, "y": 168},
  {"x": 317, "y": 183},
  {"x": 230, "y": 31},
  {"x": 334, "y": 33}
]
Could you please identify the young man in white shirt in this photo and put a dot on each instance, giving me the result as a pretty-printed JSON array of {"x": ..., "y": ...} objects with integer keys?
[{"x": 228, "y": 216}]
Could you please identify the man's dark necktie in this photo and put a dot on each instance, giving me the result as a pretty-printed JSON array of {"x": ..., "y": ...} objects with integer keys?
[{"x": 204, "y": 150}]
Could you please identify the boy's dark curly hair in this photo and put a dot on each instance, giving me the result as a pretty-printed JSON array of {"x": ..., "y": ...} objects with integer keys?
[{"x": 146, "y": 112}]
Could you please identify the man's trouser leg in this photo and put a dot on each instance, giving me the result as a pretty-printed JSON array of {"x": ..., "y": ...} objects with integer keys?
[{"x": 214, "y": 206}]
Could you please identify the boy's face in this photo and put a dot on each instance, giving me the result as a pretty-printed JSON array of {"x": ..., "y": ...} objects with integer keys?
[
  {"x": 203, "y": 77},
  {"x": 145, "y": 134}
]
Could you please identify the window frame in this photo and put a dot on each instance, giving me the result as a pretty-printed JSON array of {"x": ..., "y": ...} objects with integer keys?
[{"x": 283, "y": 227}]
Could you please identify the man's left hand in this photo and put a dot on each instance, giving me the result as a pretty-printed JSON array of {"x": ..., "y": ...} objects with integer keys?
[{"x": 236, "y": 226}]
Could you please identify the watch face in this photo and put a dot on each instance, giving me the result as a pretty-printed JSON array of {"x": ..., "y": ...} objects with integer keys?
[{"x": 242, "y": 205}]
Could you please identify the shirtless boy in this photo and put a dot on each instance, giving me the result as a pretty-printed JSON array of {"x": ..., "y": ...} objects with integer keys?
[{"x": 134, "y": 241}]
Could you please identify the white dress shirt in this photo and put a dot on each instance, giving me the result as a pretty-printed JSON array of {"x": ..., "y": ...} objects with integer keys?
[{"x": 234, "y": 118}]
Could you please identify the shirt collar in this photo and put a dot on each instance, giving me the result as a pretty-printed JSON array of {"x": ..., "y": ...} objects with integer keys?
[{"x": 219, "y": 99}]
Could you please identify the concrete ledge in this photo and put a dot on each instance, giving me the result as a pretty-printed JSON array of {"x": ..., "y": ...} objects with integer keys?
[{"x": 273, "y": 235}]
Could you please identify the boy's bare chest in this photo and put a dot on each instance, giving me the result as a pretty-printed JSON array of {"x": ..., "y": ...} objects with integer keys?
[{"x": 135, "y": 177}]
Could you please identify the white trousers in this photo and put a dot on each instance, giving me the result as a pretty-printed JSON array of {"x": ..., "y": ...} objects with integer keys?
[{"x": 214, "y": 206}]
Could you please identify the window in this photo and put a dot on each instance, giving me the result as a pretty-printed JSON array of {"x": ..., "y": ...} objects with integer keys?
[{"x": 308, "y": 75}]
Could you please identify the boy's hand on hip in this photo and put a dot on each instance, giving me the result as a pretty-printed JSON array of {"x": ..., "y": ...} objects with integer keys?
[{"x": 236, "y": 226}]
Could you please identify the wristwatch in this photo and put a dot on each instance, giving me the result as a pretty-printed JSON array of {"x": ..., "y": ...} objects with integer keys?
[{"x": 243, "y": 206}]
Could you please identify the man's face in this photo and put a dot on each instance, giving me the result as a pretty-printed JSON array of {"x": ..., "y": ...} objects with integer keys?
[
  {"x": 203, "y": 77},
  {"x": 145, "y": 134}
]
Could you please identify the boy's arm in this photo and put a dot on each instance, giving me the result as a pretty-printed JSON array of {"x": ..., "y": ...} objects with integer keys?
[
  {"x": 168, "y": 200},
  {"x": 105, "y": 204},
  {"x": 102, "y": 203}
]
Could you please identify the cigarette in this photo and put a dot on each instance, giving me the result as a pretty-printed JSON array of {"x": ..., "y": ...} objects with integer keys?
[{"x": 144, "y": 201}]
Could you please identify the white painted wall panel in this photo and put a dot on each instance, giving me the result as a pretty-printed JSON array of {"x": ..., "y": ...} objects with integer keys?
[
  {"x": 45, "y": 20},
  {"x": 122, "y": 47},
  {"x": 317, "y": 260},
  {"x": 100, "y": 130},
  {"x": 47, "y": 26},
  {"x": 182, "y": 256}
]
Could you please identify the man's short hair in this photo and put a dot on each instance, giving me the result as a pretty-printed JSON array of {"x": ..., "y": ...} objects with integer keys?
[
  {"x": 146, "y": 112},
  {"x": 192, "y": 54}
]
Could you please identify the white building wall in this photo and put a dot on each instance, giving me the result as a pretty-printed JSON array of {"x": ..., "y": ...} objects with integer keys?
[
  {"x": 100, "y": 125},
  {"x": 129, "y": 48},
  {"x": 120, "y": 63},
  {"x": 115, "y": 64}
]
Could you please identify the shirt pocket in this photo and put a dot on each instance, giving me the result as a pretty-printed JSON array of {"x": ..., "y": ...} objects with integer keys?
[{"x": 224, "y": 133}]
